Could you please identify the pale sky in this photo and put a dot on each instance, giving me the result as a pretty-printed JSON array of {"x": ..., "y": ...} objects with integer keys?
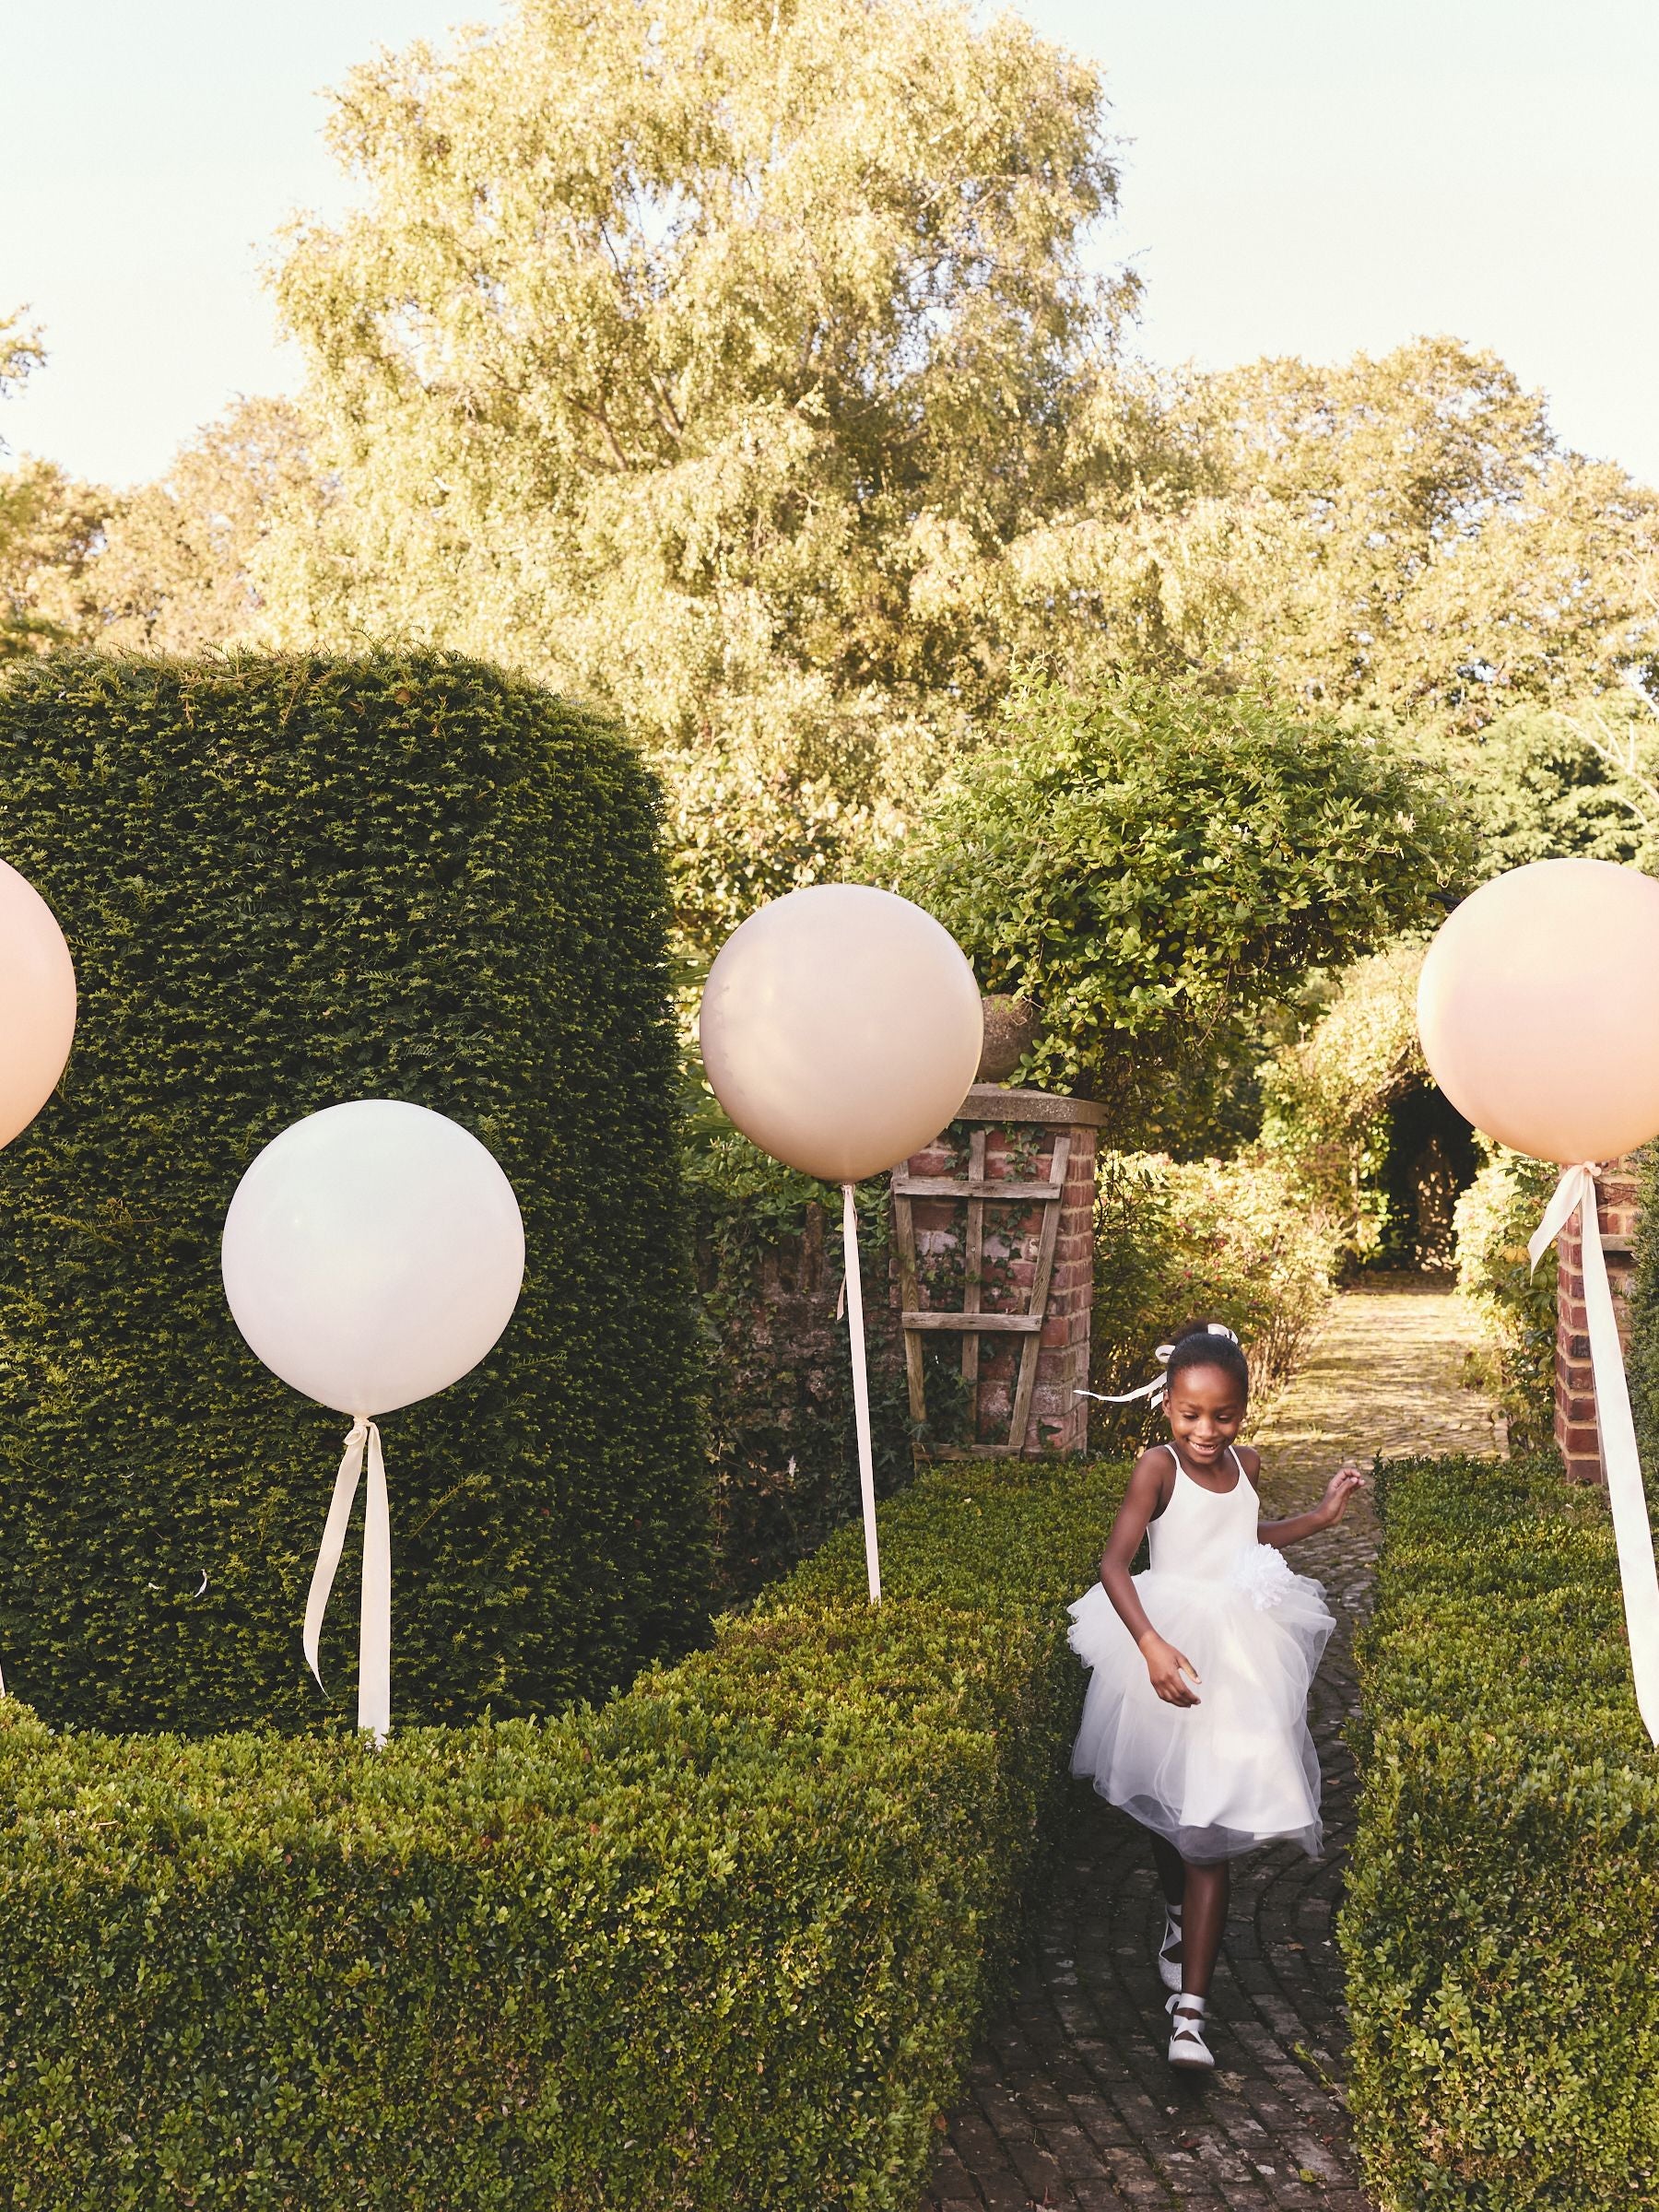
[{"x": 1299, "y": 176}]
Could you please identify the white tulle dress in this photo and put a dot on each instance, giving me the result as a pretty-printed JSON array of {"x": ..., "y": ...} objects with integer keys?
[{"x": 1239, "y": 1768}]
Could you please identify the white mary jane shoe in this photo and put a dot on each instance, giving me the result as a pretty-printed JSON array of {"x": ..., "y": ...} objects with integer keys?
[
  {"x": 1187, "y": 2046},
  {"x": 1169, "y": 1967}
]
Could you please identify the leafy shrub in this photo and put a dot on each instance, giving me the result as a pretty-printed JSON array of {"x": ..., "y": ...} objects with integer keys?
[
  {"x": 1232, "y": 1241},
  {"x": 1495, "y": 1217},
  {"x": 1350, "y": 1106},
  {"x": 287, "y": 882},
  {"x": 1504, "y": 1886},
  {"x": 1544, "y": 782},
  {"x": 721, "y": 1943},
  {"x": 1141, "y": 861}
]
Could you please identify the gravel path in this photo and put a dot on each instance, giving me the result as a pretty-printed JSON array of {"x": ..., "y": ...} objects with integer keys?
[{"x": 1070, "y": 2102}]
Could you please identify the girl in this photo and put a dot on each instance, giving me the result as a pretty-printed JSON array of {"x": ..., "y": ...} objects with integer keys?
[{"x": 1196, "y": 1717}]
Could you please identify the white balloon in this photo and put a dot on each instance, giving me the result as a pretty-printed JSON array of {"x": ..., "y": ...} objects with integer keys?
[
  {"x": 840, "y": 1028},
  {"x": 373, "y": 1254}
]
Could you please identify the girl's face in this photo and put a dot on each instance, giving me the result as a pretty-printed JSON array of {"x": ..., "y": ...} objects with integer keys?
[{"x": 1206, "y": 1410}]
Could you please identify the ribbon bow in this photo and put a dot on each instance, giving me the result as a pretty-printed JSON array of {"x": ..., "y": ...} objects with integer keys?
[
  {"x": 374, "y": 1630},
  {"x": 1575, "y": 1192},
  {"x": 1158, "y": 1389}
]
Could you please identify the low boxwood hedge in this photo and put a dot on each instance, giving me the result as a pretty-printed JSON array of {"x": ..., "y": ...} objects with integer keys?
[
  {"x": 721, "y": 1942},
  {"x": 1501, "y": 1929}
]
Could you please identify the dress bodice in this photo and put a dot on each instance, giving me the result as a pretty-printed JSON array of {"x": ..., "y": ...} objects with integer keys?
[{"x": 1200, "y": 1533}]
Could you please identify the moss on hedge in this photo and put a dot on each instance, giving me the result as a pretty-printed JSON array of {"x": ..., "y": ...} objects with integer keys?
[
  {"x": 287, "y": 882},
  {"x": 1501, "y": 1929},
  {"x": 720, "y": 1943}
]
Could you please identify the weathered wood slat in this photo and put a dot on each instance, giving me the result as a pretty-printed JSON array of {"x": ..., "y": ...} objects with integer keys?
[
  {"x": 1009, "y": 1323},
  {"x": 941, "y": 1186},
  {"x": 910, "y": 1292}
]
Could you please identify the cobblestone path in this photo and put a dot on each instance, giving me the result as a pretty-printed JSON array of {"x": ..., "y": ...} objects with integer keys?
[{"x": 1070, "y": 2103}]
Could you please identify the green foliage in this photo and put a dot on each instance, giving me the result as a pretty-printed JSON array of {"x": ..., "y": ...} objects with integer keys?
[
  {"x": 1504, "y": 1884},
  {"x": 1362, "y": 1053},
  {"x": 1142, "y": 861},
  {"x": 778, "y": 1379},
  {"x": 1405, "y": 533},
  {"x": 721, "y": 1943},
  {"x": 1496, "y": 1216},
  {"x": 285, "y": 883},
  {"x": 163, "y": 568},
  {"x": 173, "y": 571},
  {"x": 51, "y": 530},
  {"x": 1547, "y": 784},
  {"x": 1232, "y": 1241},
  {"x": 49, "y": 526},
  {"x": 1351, "y": 1110}
]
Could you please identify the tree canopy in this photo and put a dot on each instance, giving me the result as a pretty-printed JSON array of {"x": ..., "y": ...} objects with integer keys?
[
  {"x": 740, "y": 367},
  {"x": 1408, "y": 533},
  {"x": 1145, "y": 861},
  {"x": 173, "y": 573},
  {"x": 705, "y": 358}
]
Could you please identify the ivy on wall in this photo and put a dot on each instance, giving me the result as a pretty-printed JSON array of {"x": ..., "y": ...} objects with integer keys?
[{"x": 777, "y": 1365}]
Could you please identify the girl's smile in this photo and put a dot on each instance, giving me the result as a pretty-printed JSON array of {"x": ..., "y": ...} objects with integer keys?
[{"x": 1206, "y": 1412}]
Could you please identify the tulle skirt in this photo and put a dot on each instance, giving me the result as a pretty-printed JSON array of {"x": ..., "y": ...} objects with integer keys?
[{"x": 1239, "y": 1768}]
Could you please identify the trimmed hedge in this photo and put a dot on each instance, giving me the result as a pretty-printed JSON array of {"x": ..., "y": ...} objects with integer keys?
[
  {"x": 287, "y": 882},
  {"x": 1501, "y": 1929},
  {"x": 721, "y": 1942}
]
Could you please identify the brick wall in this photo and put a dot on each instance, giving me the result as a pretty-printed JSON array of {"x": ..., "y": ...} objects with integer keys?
[
  {"x": 1059, "y": 1417},
  {"x": 1575, "y": 1430}
]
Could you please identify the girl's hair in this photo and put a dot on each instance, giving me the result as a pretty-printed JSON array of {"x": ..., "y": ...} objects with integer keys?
[{"x": 1207, "y": 1343}]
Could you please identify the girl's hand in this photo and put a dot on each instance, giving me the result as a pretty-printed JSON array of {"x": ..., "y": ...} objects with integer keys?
[
  {"x": 1166, "y": 1668},
  {"x": 1338, "y": 1492}
]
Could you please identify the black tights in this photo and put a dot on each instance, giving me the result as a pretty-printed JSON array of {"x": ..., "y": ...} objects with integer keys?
[{"x": 1202, "y": 1893}]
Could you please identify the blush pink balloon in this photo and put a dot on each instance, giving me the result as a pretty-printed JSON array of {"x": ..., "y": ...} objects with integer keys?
[
  {"x": 37, "y": 1003},
  {"x": 1539, "y": 1008},
  {"x": 840, "y": 1028}
]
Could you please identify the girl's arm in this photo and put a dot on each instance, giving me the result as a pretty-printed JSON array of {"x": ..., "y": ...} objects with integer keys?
[
  {"x": 1326, "y": 1514},
  {"x": 1166, "y": 1667}
]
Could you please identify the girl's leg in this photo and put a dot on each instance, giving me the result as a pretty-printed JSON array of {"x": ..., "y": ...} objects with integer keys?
[
  {"x": 1208, "y": 1890},
  {"x": 1171, "y": 1871}
]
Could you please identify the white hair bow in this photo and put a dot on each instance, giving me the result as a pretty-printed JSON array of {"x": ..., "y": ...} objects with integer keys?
[{"x": 1158, "y": 1389}]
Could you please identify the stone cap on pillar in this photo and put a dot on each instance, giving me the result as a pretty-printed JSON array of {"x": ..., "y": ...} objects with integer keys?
[{"x": 995, "y": 1102}]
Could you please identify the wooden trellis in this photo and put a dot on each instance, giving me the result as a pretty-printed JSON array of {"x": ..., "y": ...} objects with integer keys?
[{"x": 978, "y": 1190}]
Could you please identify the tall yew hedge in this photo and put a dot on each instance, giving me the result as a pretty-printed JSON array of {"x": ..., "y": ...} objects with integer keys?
[{"x": 287, "y": 882}]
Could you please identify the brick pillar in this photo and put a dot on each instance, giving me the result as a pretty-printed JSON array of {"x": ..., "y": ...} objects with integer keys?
[
  {"x": 1015, "y": 1133},
  {"x": 1059, "y": 1420},
  {"x": 1575, "y": 1430}
]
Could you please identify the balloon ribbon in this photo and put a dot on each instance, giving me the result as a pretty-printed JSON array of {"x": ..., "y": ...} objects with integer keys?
[
  {"x": 1576, "y": 1194},
  {"x": 853, "y": 1286},
  {"x": 374, "y": 1632},
  {"x": 1155, "y": 1391}
]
